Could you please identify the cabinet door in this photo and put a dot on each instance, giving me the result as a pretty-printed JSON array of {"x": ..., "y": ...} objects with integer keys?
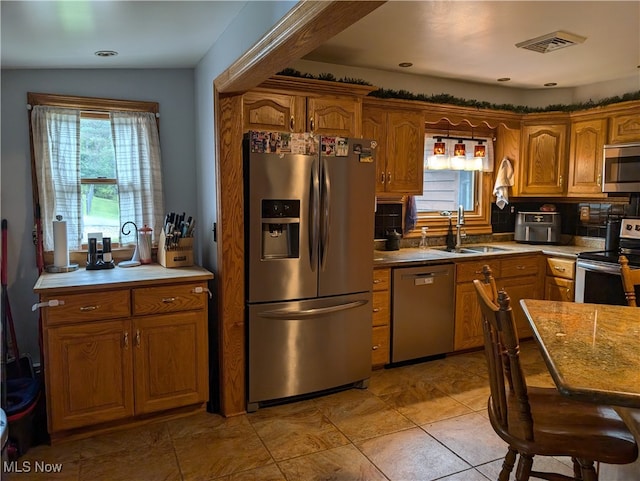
[
  {"x": 374, "y": 126},
  {"x": 624, "y": 128},
  {"x": 269, "y": 111},
  {"x": 545, "y": 160},
  {"x": 405, "y": 152},
  {"x": 559, "y": 289},
  {"x": 170, "y": 356},
  {"x": 340, "y": 116},
  {"x": 89, "y": 374},
  {"x": 527, "y": 287},
  {"x": 508, "y": 145},
  {"x": 585, "y": 158},
  {"x": 380, "y": 347},
  {"x": 468, "y": 318}
]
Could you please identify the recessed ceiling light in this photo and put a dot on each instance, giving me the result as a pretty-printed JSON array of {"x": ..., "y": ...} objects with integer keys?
[
  {"x": 106, "y": 53},
  {"x": 405, "y": 64},
  {"x": 504, "y": 79},
  {"x": 550, "y": 84}
]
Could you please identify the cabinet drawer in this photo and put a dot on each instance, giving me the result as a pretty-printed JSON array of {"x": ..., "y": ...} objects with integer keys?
[
  {"x": 94, "y": 306},
  {"x": 381, "y": 310},
  {"x": 468, "y": 271},
  {"x": 559, "y": 289},
  {"x": 381, "y": 279},
  {"x": 558, "y": 267},
  {"x": 519, "y": 266},
  {"x": 380, "y": 346},
  {"x": 182, "y": 297}
]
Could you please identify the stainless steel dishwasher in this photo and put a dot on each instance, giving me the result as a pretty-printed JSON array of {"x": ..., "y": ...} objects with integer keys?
[{"x": 422, "y": 311}]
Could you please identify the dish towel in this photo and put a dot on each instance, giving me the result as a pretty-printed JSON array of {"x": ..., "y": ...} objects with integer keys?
[
  {"x": 411, "y": 215},
  {"x": 504, "y": 180}
]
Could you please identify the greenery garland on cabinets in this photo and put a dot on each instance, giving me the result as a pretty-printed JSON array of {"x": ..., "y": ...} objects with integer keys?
[{"x": 460, "y": 102}]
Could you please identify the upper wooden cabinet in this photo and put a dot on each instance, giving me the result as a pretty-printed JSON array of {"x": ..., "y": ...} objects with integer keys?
[
  {"x": 585, "y": 158},
  {"x": 279, "y": 112},
  {"x": 544, "y": 158},
  {"x": 303, "y": 105},
  {"x": 625, "y": 126},
  {"x": 400, "y": 153}
]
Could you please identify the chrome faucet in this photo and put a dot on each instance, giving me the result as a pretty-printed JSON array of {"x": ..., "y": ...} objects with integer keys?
[{"x": 459, "y": 224}]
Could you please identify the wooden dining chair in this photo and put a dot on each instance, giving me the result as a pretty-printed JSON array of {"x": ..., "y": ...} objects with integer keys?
[
  {"x": 536, "y": 421},
  {"x": 630, "y": 279}
]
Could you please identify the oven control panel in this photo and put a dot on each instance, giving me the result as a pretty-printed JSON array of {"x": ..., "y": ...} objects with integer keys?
[{"x": 630, "y": 229}]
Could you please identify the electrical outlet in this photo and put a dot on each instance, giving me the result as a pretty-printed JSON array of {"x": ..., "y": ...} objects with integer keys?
[{"x": 584, "y": 213}]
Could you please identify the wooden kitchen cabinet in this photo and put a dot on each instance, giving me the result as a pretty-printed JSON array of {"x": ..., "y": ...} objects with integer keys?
[
  {"x": 89, "y": 372},
  {"x": 544, "y": 159},
  {"x": 560, "y": 279},
  {"x": 400, "y": 153},
  {"x": 116, "y": 351},
  {"x": 625, "y": 126},
  {"x": 520, "y": 276},
  {"x": 304, "y": 105},
  {"x": 585, "y": 158},
  {"x": 380, "y": 349}
]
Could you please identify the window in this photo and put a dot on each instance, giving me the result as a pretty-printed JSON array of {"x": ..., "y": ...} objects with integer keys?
[
  {"x": 100, "y": 200},
  {"x": 445, "y": 190},
  {"x": 96, "y": 162}
]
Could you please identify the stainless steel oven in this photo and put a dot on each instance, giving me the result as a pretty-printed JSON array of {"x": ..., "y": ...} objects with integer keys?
[
  {"x": 599, "y": 282},
  {"x": 598, "y": 278}
]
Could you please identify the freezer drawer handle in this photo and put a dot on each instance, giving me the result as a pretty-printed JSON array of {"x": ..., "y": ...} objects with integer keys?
[{"x": 289, "y": 314}]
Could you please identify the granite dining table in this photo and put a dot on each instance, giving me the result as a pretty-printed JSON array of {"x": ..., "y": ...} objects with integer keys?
[{"x": 592, "y": 351}]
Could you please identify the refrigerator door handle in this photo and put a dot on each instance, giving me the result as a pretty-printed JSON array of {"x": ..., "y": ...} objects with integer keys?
[
  {"x": 326, "y": 219},
  {"x": 297, "y": 314},
  {"x": 313, "y": 217}
]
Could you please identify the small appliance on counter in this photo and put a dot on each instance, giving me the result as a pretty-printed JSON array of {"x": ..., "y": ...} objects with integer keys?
[
  {"x": 538, "y": 227},
  {"x": 393, "y": 240}
]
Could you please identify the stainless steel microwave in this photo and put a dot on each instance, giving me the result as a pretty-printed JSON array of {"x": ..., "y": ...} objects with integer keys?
[{"x": 621, "y": 168}]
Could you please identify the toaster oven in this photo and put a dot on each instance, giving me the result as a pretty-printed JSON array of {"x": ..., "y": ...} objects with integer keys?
[{"x": 538, "y": 227}]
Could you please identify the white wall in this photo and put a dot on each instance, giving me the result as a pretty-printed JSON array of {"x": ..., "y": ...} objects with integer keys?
[
  {"x": 497, "y": 94},
  {"x": 173, "y": 89},
  {"x": 253, "y": 21}
]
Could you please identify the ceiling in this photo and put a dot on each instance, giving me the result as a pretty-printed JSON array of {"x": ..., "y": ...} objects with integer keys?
[{"x": 464, "y": 40}]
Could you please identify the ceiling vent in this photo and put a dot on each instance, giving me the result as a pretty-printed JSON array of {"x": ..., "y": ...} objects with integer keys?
[{"x": 551, "y": 41}]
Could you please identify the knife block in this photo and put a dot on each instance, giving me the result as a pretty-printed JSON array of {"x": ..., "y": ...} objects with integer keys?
[{"x": 178, "y": 255}]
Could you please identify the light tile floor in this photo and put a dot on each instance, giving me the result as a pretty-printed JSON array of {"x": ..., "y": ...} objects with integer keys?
[{"x": 419, "y": 422}]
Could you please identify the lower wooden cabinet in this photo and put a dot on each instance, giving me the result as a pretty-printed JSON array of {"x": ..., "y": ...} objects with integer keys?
[
  {"x": 105, "y": 365},
  {"x": 380, "y": 349},
  {"x": 560, "y": 279},
  {"x": 520, "y": 276}
]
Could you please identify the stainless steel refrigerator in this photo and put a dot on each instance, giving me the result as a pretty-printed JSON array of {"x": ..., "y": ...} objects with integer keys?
[{"x": 309, "y": 215}]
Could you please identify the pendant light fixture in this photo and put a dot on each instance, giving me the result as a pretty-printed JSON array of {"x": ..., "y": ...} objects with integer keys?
[
  {"x": 479, "y": 150},
  {"x": 459, "y": 149},
  {"x": 439, "y": 147}
]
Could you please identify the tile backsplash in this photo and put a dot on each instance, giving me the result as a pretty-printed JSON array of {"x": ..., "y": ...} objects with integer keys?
[{"x": 578, "y": 219}]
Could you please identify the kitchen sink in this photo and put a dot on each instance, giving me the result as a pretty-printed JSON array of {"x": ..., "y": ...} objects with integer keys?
[
  {"x": 482, "y": 249},
  {"x": 474, "y": 249}
]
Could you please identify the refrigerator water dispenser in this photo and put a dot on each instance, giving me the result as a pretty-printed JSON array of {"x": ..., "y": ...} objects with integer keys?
[{"x": 280, "y": 229}]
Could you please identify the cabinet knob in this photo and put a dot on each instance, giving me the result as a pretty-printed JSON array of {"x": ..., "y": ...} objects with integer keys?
[
  {"x": 168, "y": 300},
  {"x": 377, "y": 281},
  {"x": 388, "y": 177},
  {"x": 88, "y": 308},
  {"x": 599, "y": 181},
  {"x": 137, "y": 337},
  {"x": 126, "y": 339},
  {"x": 376, "y": 309},
  {"x": 561, "y": 181},
  {"x": 312, "y": 124},
  {"x": 376, "y": 347},
  {"x": 382, "y": 178},
  {"x": 292, "y": 124},
  {"x": 558, "y": 268}
]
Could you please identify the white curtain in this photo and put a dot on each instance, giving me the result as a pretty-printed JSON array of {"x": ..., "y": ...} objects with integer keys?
[
  {"x": 56, "y": 145},
  {"x": 138, "y": 169}
]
